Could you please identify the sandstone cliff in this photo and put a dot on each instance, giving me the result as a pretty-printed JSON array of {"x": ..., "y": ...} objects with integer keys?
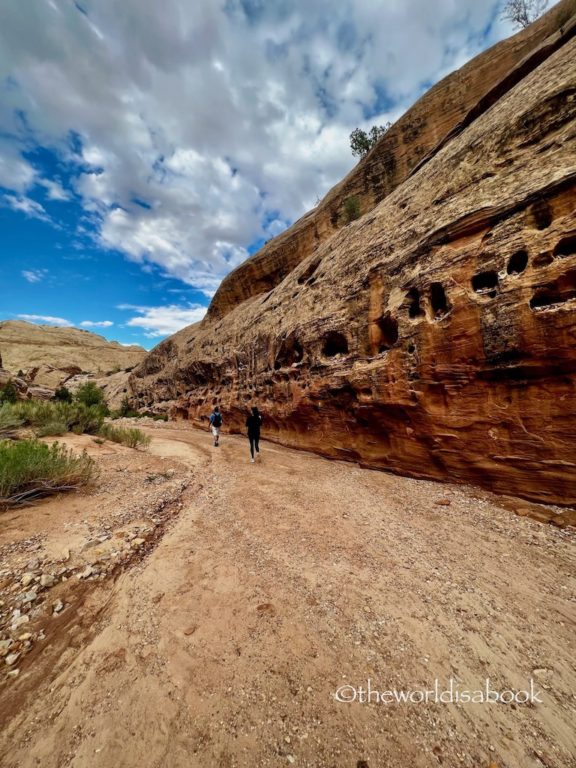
[
  {"x": 49, "y": 355},
  {"x": 435, "y": 335}
]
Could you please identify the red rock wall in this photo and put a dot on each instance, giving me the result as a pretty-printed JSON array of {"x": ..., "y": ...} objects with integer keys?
[{"x": 435, "y": 336}]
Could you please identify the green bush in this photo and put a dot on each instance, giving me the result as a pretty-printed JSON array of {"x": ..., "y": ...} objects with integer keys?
[
  {"x": 30, "y": 469},
  {"x": 52, "y": 428},
  {"x": 351, "y": 209},
  {"x": 10, "y": 421},
  {"x": 126, "y": 411},
  {"x": 63, "y": 395},
  {"x": 8, "y": 393},
  {"x": 76, "y": 417},
  {"x": 132, "y": 437},
  {"x": 90, "y": 394}
]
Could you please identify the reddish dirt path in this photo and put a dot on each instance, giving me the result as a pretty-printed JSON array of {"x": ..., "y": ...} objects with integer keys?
[{"x": 278, "y": 583}]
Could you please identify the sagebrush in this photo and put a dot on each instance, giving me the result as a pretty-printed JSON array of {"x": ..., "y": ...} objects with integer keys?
[
  {"x": 132, "y": 437},
  {"x": 30, "y": 469}
]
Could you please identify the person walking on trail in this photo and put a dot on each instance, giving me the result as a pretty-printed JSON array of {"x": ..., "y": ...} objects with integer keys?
[
  {"x": 215, "y": 424},
  {"x": 253, "y": 423}
]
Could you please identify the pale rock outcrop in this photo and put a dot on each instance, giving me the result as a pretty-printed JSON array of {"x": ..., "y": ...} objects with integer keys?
[{"x": 49, "y": 355}]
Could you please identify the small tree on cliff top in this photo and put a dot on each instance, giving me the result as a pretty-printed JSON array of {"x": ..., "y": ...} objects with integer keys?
[
  {"x": 361, "y": 142},
  {"x": 523, "y": 12}
]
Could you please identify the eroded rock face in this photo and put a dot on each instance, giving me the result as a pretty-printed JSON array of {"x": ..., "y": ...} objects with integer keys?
[
  {"x": 435, "y": 336},
  {"x": 443, "y": 110}
]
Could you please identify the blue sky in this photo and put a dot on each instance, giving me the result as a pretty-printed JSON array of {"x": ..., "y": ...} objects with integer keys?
[{"x": 146, "y": 149}]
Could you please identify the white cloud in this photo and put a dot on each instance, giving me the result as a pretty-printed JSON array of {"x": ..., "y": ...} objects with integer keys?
[
  {"x": 96, "y": 323},
  {"x": 163, "y": 321},
  {"x": 46, "y": 320},
  {"x": 34, "y": 275},
  {"x": 15, "y": 173},
  {"x": 27, "y": 206},
  {"x": 54, "y": 190},
  {"x": 199, "y": 122}
]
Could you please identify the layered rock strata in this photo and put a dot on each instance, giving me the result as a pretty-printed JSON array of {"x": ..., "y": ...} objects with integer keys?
[{"x": 434, "y": 336}]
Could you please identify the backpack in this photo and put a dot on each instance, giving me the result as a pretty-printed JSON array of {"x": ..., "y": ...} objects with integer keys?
[{"x": 217, "y": 420}]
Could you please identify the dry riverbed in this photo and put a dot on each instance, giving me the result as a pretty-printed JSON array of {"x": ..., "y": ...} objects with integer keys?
[{"x": 195, "y": 610}]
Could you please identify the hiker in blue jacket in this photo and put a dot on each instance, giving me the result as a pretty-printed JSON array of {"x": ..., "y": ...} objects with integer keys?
[{"x": 215, "y": 424}]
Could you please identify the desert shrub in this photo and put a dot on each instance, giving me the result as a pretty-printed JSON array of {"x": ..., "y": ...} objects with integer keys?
[
  {"x": 76, "y": 417},
  {"x": 126, "y": 410},
  {"x": 30, "y": 469},
  {"x": 89, "y": 394},
  {"x": 63, "y": 395},
  {"x": 52, "y": 428},
  {"x": 132, "y": 437},
  {"x": 8, "y": 393},
  {"x": 88, "y": 420},
  {"x": 9, "y": 421},
  {"x": 351, "y": 209}
]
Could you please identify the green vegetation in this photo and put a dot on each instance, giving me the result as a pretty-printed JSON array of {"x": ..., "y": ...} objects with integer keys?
[
  {"x": 8, "y": 393},
  {"x": 63, "y": 395},
  {"x": 9, "y": 422},
  {"x": 52, "y": 418},
  {"x": 91, "y": 394},
  {"x": 132, "y": 437},
  {"x": 351, "y": 209},
  {"x": 361, "y": 142},
  {"x": 30, "y": 469}
]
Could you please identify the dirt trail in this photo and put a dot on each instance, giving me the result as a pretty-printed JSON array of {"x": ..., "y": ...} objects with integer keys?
[{"x": 278, "y": 583}]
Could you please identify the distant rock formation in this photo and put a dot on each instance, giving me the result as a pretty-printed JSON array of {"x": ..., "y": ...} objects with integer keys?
[
  {"x": 435, "y": 335},
  {"x": 49, "y": 356}
]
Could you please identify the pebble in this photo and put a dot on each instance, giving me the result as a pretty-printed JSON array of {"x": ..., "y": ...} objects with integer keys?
[
  {"x": 5, "y": 647},
  {"x": 27, "y": 579},
  {"x": 57, "y": 606},
  {"x": 12, "y": 658},
  {"x": 29, "y": 597},
  {"x": 47, "y": 580},
  {"x": 88, "y": 571},
  {"x": 13, "y": 673},
  {"x": 17, "y": 622}
]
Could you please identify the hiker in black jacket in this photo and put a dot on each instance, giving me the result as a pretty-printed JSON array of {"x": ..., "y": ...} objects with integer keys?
[{"x": 253, "y": 423}]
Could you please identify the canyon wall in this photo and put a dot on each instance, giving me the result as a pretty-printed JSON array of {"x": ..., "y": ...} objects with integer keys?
[{"x": 435, "y": 335}]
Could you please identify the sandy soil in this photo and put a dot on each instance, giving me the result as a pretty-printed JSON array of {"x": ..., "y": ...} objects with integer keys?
[{"x": 242, "y": 597}]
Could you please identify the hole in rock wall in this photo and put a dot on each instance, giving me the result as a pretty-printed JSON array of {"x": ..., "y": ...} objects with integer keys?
[
  {"x": 518, "y": 263},
  {"x": 541, "y": 215},
  {"x": 387, "y": 332},
  {"x": 414, "y": 308},
  {"x": 309, "y": 271},
  {"x": 561, "y": 290},
  {"x": 438, "y": 300},
  {"x": 543, "y": 259},
  {"x": 485, "y": 283},
  {"x": 290, "y": 352},
  {"x": 335, "y": 343},
  {"x": 566, "y": 246}
]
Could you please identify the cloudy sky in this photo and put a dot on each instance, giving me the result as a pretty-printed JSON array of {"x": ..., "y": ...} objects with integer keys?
[{"x": 147, "y": 148}]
